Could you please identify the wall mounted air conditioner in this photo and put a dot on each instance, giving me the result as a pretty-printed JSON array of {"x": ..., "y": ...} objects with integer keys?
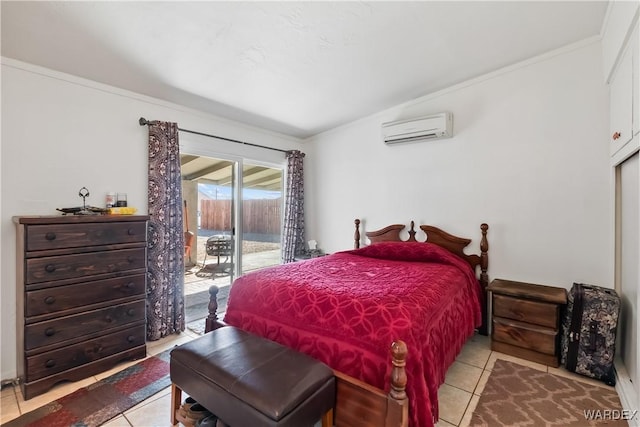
[{"x": 429, "y": 127}]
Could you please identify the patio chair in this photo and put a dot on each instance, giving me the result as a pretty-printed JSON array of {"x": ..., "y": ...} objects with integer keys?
[{"x": 221, "y": 247}]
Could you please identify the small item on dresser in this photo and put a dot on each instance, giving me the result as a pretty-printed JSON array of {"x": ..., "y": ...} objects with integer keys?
[
  {"x": 84, "y": 193},
  {"x": 589, "y": 332},
  {"x": 122, "y": 211},
  {"x": 84, "y": 210},
  {"x": 121, "y": 201},
  {"x": 69, "y": 210},
  {"x": 111, "y": 200}
]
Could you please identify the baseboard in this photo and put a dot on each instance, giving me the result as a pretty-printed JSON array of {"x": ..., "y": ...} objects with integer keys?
[{"x": 627, "y": 393}]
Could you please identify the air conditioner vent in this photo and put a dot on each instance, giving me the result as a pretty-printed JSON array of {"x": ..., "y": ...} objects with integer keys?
[{"x": 428, "y": 127}]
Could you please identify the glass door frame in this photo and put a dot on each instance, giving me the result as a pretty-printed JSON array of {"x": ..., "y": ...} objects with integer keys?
[{"x": 194, "y": 148}]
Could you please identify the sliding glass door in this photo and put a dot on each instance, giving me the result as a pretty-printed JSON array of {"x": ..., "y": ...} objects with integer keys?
[
  {"x": 209, "y": 193},
  {"x": 261, "y": 216},
  {"x": 229, "y": 238}
]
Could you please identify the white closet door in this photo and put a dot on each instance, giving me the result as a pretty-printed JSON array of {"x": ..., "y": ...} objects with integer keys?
[{"x": 629, "y": 258}]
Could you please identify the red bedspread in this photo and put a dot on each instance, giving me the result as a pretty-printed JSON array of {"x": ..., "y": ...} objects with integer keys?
[{"x": 347, "y": 308}]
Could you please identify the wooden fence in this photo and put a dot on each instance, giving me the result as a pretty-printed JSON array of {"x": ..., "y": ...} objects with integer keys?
[{"x": 259, "y": 216}]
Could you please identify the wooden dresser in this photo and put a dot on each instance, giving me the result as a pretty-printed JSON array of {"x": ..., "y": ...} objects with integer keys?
[
  {"x": 526, "y": 320},
  {"x": 80, "y": 296}
]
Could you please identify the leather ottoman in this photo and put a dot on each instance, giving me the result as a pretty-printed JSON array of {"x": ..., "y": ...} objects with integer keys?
[{"x": 249, "y": 381}]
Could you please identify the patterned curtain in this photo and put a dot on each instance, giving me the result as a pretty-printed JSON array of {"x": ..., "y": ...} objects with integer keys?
[
  {"x": 165, "y": 277},
  {"x": 293, "y": 231}
]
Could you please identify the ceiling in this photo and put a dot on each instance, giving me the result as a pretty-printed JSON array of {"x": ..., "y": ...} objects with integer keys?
[
  {"x": 293, "y": 67},
  {"x": 208, "y": 170}
]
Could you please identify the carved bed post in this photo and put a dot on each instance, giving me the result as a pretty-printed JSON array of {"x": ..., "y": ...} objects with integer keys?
[
  {"x": 356, "y": 236},
  {"x": 398, "y": 372},
  {"x": 211, "y": 322},
  {"x": 484, "y": 277},
  {"x": 484, "y": 256},
  {"x": 398, "y": 407}
]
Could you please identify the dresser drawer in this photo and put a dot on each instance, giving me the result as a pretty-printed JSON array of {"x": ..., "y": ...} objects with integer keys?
[
  {"x": 59, "y": 236},
  {"x": 68, "y": 327},
  {"x": 52, "y": 268},
  {"x": 51, "y": 300},
  {"x": 525, "y": 335},
  {"x": 56, "y": 361},
  {"x": 535, "y": 312}
]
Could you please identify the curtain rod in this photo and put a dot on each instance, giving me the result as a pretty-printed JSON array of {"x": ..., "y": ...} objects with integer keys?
[{"x": 145, "y": 122}]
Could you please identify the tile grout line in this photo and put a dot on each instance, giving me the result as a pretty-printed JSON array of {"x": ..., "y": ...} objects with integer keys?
[{"x": 484, "y": 369}]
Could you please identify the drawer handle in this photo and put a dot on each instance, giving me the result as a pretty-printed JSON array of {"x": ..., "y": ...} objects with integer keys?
[
  {"x": 50, "y": 363},
  {"x": 131, "y": 232},
  {"x": 50, "y": 268},
  {"x": 49, "y": 332},
  {"x": 616, "y": 135},
  {"x": 109, "y": 319},
  {"x": 130, "y": 259},
  {"x": 131, "y": 338},
  {"x": 129, "y": 285},
  {"x": 131, "y": 312},
  {"x": 50, "y": 236},
  {"x": 49, "y": 300}
]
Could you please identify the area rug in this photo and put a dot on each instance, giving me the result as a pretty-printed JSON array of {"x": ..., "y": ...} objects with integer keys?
[
  {"x": 518, "y": 396},
  {"x": 98, "y": 403}
]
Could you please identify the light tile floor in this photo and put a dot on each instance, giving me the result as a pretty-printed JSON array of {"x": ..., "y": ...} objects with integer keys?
[{"x": 458, "y": 396}]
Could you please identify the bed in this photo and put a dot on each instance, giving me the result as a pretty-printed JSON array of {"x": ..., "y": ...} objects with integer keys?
[{"x": 389, "y": 318}]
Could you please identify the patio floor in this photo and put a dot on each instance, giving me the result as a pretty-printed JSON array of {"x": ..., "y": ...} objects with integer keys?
[{"x": 198, "y": 279}]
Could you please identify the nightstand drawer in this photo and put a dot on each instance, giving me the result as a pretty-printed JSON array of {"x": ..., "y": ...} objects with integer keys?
[
  {"x": 535, "y": 312},
  {"x": 525, "y": 335}
]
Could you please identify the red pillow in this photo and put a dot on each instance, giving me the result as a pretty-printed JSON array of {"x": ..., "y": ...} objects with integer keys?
[{"x": 405, "y": 251}]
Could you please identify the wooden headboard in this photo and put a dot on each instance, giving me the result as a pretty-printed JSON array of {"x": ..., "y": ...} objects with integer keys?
[{"x": 435, "y": 235}]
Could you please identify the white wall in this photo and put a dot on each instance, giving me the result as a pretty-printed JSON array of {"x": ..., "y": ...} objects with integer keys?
[
  {"x": 60, "y": 133},
  {"x": 529, "y": 156}
]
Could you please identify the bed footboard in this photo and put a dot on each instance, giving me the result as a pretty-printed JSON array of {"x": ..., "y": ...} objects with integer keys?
[{"x": 358, "y": 404}]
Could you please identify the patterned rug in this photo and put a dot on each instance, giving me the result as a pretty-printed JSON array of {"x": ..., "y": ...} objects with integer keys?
[
  {"x": 516, "y": 395},
  {"x": 98, "y": 403}
]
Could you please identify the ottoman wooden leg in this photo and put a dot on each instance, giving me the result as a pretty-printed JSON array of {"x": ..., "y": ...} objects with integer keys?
[
  {"x": 176, "y": 397},
  {"x": 327, "y": 419}
]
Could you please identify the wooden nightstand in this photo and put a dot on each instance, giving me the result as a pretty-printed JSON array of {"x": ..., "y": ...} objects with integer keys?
[
  {"x": 526, "y": 320},
  {"x": 308, "y": 255}
]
